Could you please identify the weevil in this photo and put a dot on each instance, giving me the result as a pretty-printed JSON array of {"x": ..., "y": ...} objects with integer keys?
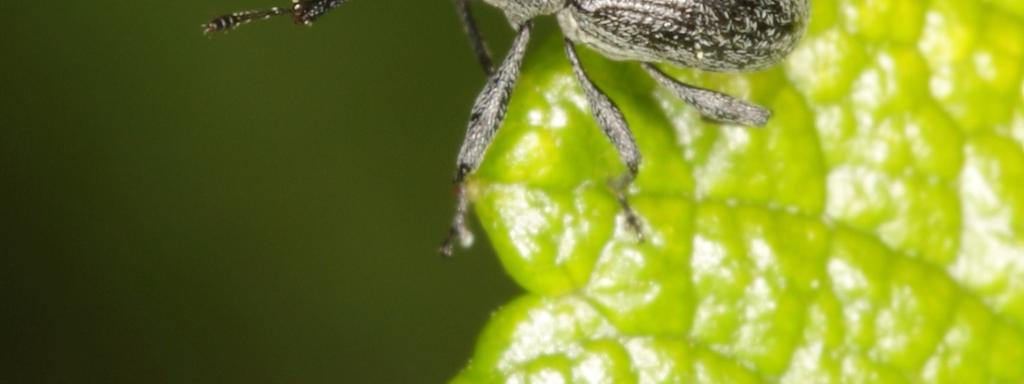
[{"x": 709, "y": 35}]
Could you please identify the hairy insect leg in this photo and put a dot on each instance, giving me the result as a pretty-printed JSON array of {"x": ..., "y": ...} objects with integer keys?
[
  {"x": 483, "y": 55},
  {"x": 712, "y": 105},
  {"x": 484, "y": 120},
  {"x": 610, "y": 118}
]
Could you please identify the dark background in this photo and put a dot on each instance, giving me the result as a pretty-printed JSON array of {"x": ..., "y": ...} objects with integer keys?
[{"x": 262, "y": 206}]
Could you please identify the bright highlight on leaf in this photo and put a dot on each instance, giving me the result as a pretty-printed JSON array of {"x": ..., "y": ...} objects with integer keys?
[{"x": 872, "y": 232}]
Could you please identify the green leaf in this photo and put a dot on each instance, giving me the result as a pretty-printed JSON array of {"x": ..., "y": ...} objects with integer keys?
[{"x": 873, "y": 231}]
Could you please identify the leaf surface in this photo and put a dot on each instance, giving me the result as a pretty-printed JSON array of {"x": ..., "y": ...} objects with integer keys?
[{"x": 872, "y": 232}]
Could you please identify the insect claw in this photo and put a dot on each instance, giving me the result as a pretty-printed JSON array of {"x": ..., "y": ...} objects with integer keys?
[
  {"x": 618, "y": 186},
  {"x": 458, "y": 229},
  {"x": 633, "y": 222},
  {"x": 447, "y": 248}
]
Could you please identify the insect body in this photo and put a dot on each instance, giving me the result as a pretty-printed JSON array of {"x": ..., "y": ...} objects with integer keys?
[{"x": 712, "y": 35}]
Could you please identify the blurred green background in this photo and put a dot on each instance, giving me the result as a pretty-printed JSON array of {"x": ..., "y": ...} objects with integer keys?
[{"x": 262, "y": 206}]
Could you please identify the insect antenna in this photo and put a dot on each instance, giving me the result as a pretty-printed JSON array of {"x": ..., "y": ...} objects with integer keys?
[
  {"x": 233, "y": 20},
  {"x": 307, "y": 11},
  {"x": 302, "y": 11}
]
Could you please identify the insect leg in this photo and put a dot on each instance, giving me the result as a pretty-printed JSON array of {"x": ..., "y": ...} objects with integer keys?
[
  {"x": 713, "y": 105},
  {"x": 475, "y": 40},
  {"x": 615, "y": 127},
  {"x": 484, "y": 120}
]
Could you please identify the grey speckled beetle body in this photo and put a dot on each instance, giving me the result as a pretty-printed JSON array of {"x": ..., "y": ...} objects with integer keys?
[{"x": 711, "y": 35}]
